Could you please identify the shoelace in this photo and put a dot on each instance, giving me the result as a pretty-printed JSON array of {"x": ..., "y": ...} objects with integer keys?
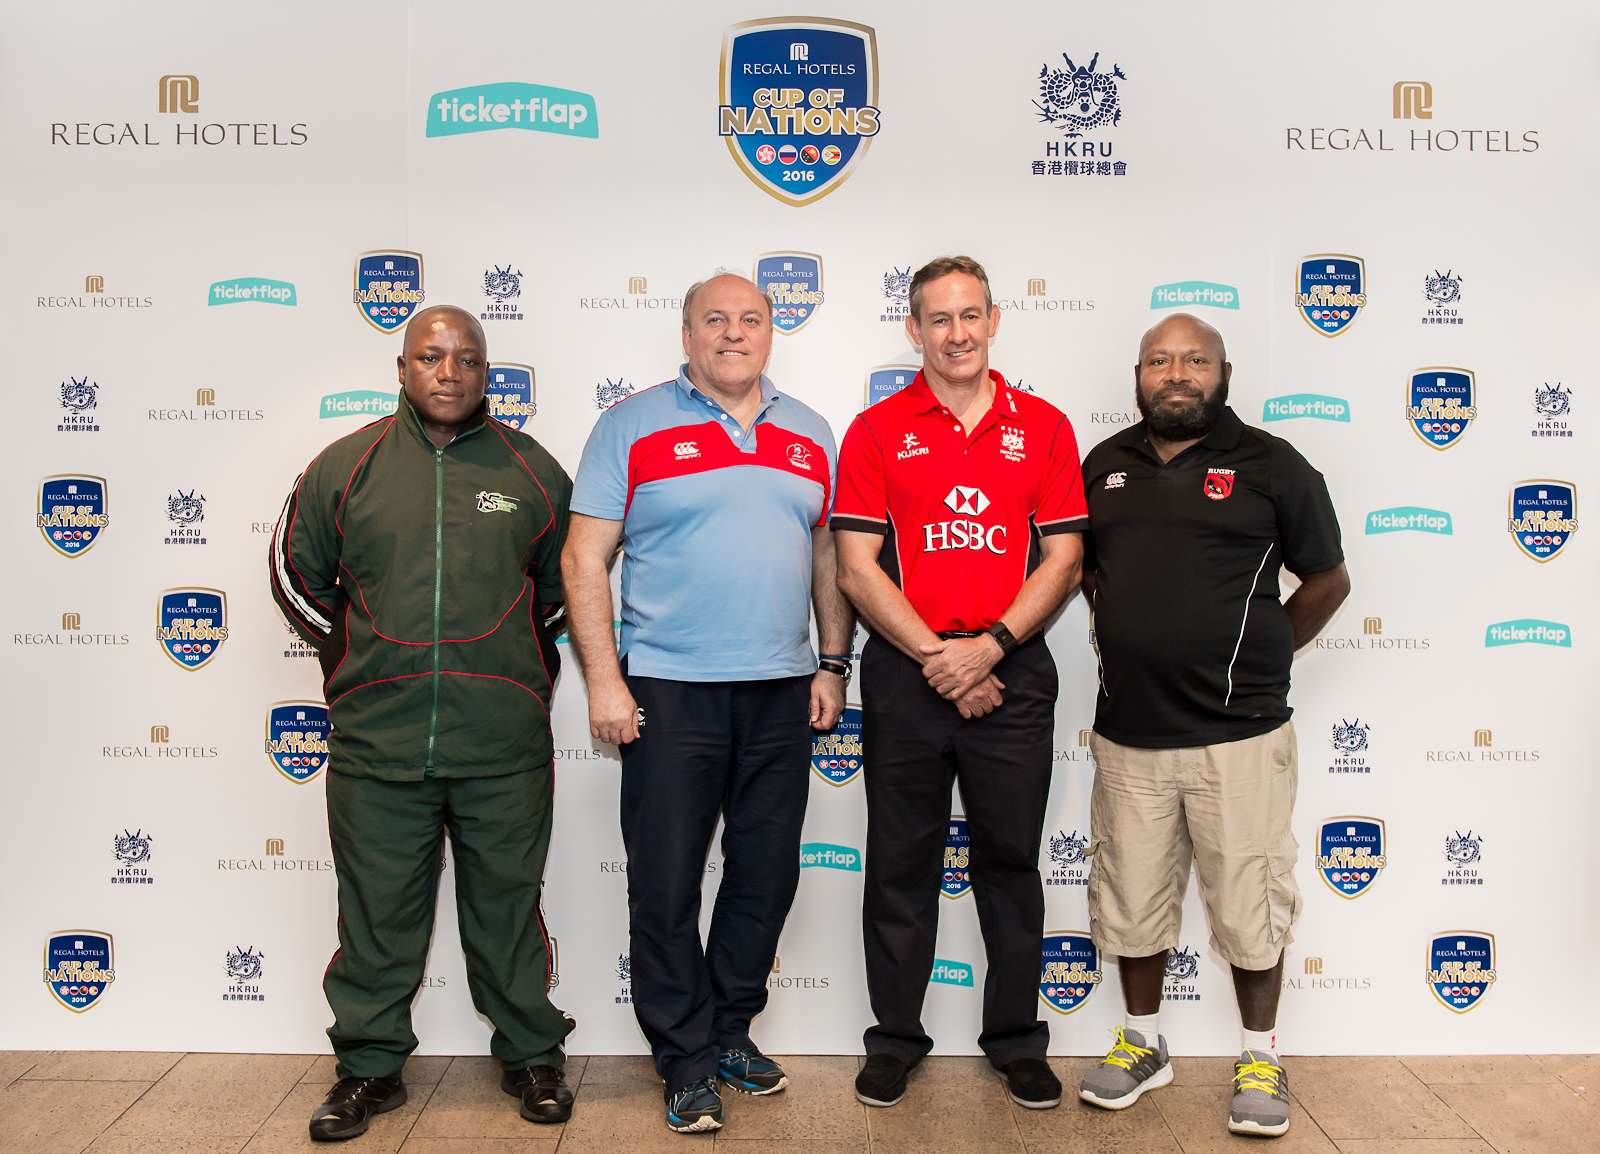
[
  {"x": 1258, "y": 1074},
  {"x": 748, "y": 1057},
  {"x": 706, "y": 1085},
  {"x": 1124, "y": 1053}
]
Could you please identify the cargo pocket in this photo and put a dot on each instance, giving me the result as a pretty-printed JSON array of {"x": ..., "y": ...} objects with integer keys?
[
  {"x": 1091, "y": 854},
  {"x": 1283, "y": 897}
]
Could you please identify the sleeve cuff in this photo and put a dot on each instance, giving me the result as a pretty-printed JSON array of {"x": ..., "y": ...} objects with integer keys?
[
  {"x": 858, "y": 524},
  {"x": 1066, "y": 525}
]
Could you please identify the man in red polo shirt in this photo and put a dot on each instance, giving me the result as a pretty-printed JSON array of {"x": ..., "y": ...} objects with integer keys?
[{"x": 958, "y": 522}]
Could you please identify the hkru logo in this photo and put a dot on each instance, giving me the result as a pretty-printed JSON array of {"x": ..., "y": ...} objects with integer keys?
[
  {"x": 686, "y": 450},
  {"x": 502, "y": 290},
  {"x": 1219, "y": 484},
  {"x": 956, "y": 878},
  {"x": 1350, "y": 741},
  {"x": 1443, "y": 293},
  {"x": 79, "y": 399},
  {"x": 1011, "y": 444},
  {"x": 244, "y": 975},
  {"x": 1069, "y": 970},
  {"x": 838, "y": 757},
  {"x": 1552, "y": 404},
  {"x": 131, "y": 849},
  {"x": 1068, "y": 866},
  {"x": 961, "y": 533},
  {"x": 1351, "y": 853},
  {"x": 609, "y": 392},
  {"x": 185, "y": 511},
  {"x": 625, "y": 978},
  {"x": 1183, "y": 967},
  {"x": 1081, "y": 101},
  {"x": 1463, "y": 855},
  {"x": 897, "y": 292},
  {"x": 800, "y": 456}
]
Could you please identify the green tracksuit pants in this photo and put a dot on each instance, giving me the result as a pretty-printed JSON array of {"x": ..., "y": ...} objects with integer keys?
[{"x": 387, "y": 839}]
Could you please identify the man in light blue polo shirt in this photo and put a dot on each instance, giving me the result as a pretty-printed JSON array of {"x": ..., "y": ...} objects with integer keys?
[{"x": 717, "y": 487}]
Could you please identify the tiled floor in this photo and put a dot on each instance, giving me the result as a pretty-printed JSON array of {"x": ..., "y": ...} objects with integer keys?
[{"x": 125, "y": 1103}]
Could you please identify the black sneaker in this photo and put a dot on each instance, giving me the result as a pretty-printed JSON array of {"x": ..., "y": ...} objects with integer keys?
[
  {"x": 695, "y": 1107},
  {"x": 749, "y": 1071},
  {"x": 1032, "y": 1083},
  {"x": 545, "y": 1094},
  {"x": 882, "y": 1081},
  {"x": 350, "y": 1105}
]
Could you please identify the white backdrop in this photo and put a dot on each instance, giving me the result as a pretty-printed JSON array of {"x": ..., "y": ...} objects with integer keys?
[{"x": 1218, "y": 183}]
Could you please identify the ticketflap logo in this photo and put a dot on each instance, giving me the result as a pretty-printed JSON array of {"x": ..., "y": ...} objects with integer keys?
[
  {"x": 821, "y": 855},
  {"x": 1409, "y": 519},
  {"x": 1306, "y": 406},
  {"x": 1189, "y": 293},
  {"x": 251, "y": 288},
  {"x": 1528, "y": 631},
  {"x": 530, "y": 107}
]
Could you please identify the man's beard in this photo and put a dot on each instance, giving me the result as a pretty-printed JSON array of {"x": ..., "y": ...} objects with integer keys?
[{"x": 1189, "y": 424}]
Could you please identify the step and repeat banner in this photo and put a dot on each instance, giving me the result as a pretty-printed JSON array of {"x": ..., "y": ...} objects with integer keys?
[{"x": 219, "y": 223}]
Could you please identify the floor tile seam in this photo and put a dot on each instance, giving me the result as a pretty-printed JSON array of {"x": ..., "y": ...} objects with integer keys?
[
  {"x": 311, "y": 1060},
  {"x": 22, "y": 1073},
  {"x": 136, "y": 1098}
]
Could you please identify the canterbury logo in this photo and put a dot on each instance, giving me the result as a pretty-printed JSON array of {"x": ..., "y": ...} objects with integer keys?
[{"x": 686, "y": 450}]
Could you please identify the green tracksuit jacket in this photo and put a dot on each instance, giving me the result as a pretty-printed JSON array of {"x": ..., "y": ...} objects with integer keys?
[{"x": 422, "y": 577}]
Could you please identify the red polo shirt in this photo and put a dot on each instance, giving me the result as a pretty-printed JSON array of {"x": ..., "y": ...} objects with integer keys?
[{"x": 960, "y": 513}]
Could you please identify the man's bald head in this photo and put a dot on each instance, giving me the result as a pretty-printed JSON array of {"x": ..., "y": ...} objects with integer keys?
[
  {"x": 1183, "y": 328},
  {"x": 430, "y": 318},
  {"x": 444, "y": 369}
]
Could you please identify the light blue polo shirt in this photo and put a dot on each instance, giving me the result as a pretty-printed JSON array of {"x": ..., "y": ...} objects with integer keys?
[{"x": 716, "y": 529}]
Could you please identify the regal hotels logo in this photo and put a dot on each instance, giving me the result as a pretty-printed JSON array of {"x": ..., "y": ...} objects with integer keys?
[
  {"x": 1410, "y": 101},
  {"x": 178, "y": 102}
]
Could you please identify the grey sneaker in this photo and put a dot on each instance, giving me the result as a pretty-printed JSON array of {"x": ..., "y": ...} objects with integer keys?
[
  {"x": 1131, "y": 1068},
  {"x": 1260, "y": 1096}
]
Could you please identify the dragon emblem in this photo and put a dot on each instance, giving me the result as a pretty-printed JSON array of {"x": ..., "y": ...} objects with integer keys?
[
  {"x": 131, "y": 848},
  {"x": 1182, "y": 964},
  {"x": 186, "y": 508},
  {"x": 1462, "y": 849},
  {"x": 1078, "y": 98},
  {"x": 245, "y": 965},
  {"x": 1350, "y": 736},
  {"x": 79, "y": 396},
  {"x": 1552, "y": 400},
  {"x": 502, "y": 284},
  {"x": 897, "y": 284},
  {"x": 1441, "y": 288},
  {"x": 1066, "y": 849},
  {"x": 624, "y": 968},
  {"x": 609, "y": 392}
]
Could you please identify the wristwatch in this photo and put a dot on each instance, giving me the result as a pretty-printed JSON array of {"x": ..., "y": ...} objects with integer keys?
[
  {"x": 1000, "y": 633},
  {"x": 838, "y": 666}
]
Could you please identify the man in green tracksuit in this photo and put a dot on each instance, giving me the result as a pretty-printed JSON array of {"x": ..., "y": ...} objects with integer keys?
[{"x": 420, "y": 555}]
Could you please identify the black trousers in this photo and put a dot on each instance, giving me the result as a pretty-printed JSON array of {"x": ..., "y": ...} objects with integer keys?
[
  {"x": 916, "y": 745},
  {"x": 742, "y": 749}
]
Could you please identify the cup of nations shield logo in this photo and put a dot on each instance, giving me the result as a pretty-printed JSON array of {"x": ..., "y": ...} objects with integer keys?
[
  {"x": 1069, "y": 970},
  {"x": 1543, "y": 517},
  {"x": 73, "y": 512},
  {"x": 1351, "y": 853},
  {"x": 1330, "y": 291},
  {"x": 885, "y": 381},
  {"x": 799, "y": 102},
  {"x": 510, "y": 396},
  {"x": 192, "y": 624},
  {"x": 297, "y": 739},
  {"x": 1441, "y": 404},
  {"x": 956, "y": 877},
  {"x": 793, "y": 282},
  {"x": 1461, "y": 968},
  {"x": 388, "y": 287},
  {"x": 836, "y": 756},
  {"x": 79, "y": 965}
]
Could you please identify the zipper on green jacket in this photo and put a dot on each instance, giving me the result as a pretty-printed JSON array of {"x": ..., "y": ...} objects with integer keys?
[{"x": 438, "y": 590}]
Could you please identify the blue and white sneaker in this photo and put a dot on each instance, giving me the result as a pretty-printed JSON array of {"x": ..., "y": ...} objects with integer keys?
[
  {"x": 695, "y": 1108},
  {"x": 749, "y": 1071}
]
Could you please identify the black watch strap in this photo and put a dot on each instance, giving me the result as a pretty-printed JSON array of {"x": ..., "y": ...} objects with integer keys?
[{"x": 1000, "y": 633}]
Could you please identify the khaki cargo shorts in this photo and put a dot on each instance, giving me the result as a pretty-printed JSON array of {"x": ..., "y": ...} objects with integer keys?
[{"x": 1226, "y": 807}]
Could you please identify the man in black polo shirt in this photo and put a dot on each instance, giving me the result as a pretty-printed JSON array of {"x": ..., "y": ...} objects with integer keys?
[{"x": 1191, "y": 515}]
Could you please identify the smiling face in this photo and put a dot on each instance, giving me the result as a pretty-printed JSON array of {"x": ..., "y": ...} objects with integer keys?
[
  {"x": 445, "y": 367},
  {"x": 727, "y": 336},
  {"x": 953, "y": 325}
]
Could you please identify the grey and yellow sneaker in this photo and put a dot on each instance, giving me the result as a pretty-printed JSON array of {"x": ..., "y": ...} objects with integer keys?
[
  {"x": 749, "y": 1071},
  {"x": 695, "y": 1107},
  {"x": 1260, "y": 1096},
  {"x": 1131, "y": 1068}
]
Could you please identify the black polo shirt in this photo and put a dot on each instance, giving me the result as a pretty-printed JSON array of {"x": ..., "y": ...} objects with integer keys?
[{"x": 1193, "y": 640}]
